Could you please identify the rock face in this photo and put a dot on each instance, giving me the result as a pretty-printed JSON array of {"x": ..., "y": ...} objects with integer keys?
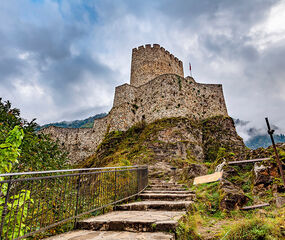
[
  {"x": 166, "y": 143},
  {"x": 280, "y": 202},
  {"x": 231, "y": 196},
  {"x": 194, "y": 170},
  {"x": 264, "y": 175}
]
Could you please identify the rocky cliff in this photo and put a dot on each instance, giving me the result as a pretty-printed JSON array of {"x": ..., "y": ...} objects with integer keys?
[{"x": 176, "y": 142}]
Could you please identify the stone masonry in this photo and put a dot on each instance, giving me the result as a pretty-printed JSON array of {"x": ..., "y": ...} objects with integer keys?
[{"x": 158, "y": 90}]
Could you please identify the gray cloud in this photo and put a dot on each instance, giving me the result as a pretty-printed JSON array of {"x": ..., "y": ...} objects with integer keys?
[{"x": 71, "y": 55}]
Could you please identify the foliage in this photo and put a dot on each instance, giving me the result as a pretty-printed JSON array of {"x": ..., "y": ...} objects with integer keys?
[
  {"x": 208, "y": 198},
  {"x": 187, "y": 228},
  {"x": 15, "y": 214},
  {"x": 131, "y": 145},
  {"x": 85, "y": 123},
  {"x": 39, "y": 152},
  {"x": 9, "y": 150},
  {"x": 223, "y": 155},
  {"x": 217, "y": 134}
]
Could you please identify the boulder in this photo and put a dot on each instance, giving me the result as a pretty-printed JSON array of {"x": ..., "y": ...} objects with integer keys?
[
  {"x": 231, "y": 196},
  {"x": 280, "y": 202},
  {"x": 229, "y": 171},
  {"x": 194, "y": 170}
]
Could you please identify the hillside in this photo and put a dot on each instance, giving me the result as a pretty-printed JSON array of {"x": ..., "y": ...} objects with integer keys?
[
  {"x": 257, "y": 138},
  {"x": 85, "y": 123},
  {"x": 173, "y": 141},
  {"x": 195, "y": 148}
]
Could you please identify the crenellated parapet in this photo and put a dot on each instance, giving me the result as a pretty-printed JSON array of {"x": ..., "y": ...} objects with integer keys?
[{"x": 150, "y": 61}]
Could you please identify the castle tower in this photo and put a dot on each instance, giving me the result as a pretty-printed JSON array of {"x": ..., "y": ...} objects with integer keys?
[{"x": 149, "y": 62}]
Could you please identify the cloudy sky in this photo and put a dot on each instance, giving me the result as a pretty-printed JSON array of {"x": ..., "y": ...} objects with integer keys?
[{"x": 61, "y": 59}]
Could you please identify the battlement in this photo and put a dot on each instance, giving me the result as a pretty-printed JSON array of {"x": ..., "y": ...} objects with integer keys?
[{"x": 150, "y": 61}]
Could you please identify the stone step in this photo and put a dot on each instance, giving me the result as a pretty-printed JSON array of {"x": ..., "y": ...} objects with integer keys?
[
  {"x": 167, "y": 196},
  {"x": 164, "y": 189},
  {"x": 155, "y": 205},
  {"x": 141, "y": 221},
  {"x": 112, "y": 235},
  {"x": 168, "y": 191},
  {"x": 168, "y": 185}
]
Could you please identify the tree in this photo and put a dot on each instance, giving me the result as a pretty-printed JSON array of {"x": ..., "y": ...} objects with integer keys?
[{"x": 38, "y": 151}]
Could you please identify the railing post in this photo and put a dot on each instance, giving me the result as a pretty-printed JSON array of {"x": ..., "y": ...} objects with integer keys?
[
  {"x": 138, "y": 180},
  {"x": 77, "y": 200},
  {"x": 115, "y": 195},
  {"x": 5, "y": 206}
]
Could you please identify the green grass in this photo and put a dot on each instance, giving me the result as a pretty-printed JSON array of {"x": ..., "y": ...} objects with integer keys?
[{"x": 255, "y": 228}]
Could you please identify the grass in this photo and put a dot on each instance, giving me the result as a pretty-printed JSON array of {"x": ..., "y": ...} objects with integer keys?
[
  {"x": 256, "y": 227},
  {"x": 267, "y": 223},
  {"x": 187, "y": 228}
]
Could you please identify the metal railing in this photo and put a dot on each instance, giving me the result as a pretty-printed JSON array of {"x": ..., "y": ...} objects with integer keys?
[{"x": 33, "y": 202}]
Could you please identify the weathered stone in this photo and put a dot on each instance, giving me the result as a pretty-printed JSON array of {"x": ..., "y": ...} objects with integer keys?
[
  {"x": 111, "y": 235},
  {"x": 231, "y": 196},
  {"x": 167, "y": 196},
  {"x": 264, "y": 176},
  {"x": 229, "y": 171},
  {"x": 150, "y": 62},
  {"x": 156, "y": 205},
  {"x": 143, "y": 221},
  {"x": 169, "y": 191},
  {"x": 280, "y": 201},
  {"x": 194, "y": 170}
]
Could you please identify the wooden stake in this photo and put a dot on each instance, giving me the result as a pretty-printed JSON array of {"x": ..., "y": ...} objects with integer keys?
[{"x": 279, "y": 163}]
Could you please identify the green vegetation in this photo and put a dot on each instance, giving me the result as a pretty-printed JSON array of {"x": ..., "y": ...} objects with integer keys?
[
  {"x": 256, "y": 227},
  {"x": 132, "y": 146},
  {"x": 187, "y": 228},
  {"x": 216, "y": 135},
  {"x": 38, "y": 152},
  {"x": 85, "y": 123},
  {"x": 9, "y": 153}
]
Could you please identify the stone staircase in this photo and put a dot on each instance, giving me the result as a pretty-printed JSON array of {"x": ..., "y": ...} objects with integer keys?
[{"x": 156, "y": 216}]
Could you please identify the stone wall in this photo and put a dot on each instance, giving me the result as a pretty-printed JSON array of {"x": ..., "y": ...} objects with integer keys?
[
  {"x": 166, "y": 96},
  {"x": 79, "y": 142},
  {"x": 149, "y": 62}
]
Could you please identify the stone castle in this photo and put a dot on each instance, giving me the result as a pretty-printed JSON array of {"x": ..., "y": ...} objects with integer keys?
[{"x": 157, "y": 89}]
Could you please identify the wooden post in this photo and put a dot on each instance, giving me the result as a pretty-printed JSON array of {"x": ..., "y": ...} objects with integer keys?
[{"x": 279, "y": 163}]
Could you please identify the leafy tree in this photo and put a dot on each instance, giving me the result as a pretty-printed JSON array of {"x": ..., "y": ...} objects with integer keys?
[
  {"x": 38, "y": 152},
  {"x": 9, "y": 153}
]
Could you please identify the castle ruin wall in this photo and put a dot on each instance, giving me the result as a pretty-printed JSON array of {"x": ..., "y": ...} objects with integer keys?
[{"x": 80, "y": 143}]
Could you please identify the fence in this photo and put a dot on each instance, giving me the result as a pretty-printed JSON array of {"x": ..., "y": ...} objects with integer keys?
[{"x": 35, "y": 201}]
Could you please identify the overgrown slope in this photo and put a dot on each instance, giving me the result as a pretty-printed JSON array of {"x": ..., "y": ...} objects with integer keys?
[{"x": 177, "y": 141}]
